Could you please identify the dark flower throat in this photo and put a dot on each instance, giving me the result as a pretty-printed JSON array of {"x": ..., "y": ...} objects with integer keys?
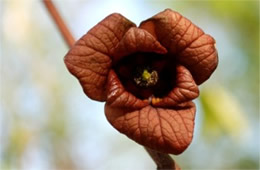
[{"x": 146, "y": 74}]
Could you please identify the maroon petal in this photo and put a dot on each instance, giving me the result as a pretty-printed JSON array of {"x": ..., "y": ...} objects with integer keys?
[
  {"x": 117, "y": 96},
  {"x": 137, "y": 40},
  {"x": 185, "y": 90},
  {"x": 201, "y": 58},
  {"x": 89, "y": 59},
  {"x": 184, "y": 40},
  {"x": 164, "y": 130},
  {"x": 167, "y": 130}
]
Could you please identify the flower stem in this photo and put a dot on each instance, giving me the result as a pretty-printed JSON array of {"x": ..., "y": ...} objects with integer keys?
[
  {"x": 60, "y": 23},
  {"x": 162, "y": 160}
]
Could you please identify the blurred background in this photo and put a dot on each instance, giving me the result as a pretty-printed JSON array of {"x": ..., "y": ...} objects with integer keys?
[{"x": 48, "y": 123}]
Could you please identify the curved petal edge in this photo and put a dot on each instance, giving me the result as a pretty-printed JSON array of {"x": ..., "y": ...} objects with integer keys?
[
  {"x": 89, "y": 59},
  {"x": 185, "y": 41},
  {"x": 165, "y": 130}
]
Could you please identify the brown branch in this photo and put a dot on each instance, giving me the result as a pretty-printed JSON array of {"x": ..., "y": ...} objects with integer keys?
[
  {"x": 162, "y": 160},
  {"x": 60, "y": 23}
]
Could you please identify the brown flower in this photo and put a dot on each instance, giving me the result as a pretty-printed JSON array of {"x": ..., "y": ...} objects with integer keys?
[{"x": 148, "y": 75}]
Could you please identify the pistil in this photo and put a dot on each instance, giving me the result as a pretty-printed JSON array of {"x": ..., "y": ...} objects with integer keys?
[{"x": 146, "y": 78}]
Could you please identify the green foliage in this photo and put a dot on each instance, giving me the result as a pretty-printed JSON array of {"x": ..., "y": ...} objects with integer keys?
[{"x": 222, "y": 114}]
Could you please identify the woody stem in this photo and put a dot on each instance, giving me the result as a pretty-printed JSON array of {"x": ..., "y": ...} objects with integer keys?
[
  {"x": 162, "y": 160},
  {"x": 66, "y": 34}
]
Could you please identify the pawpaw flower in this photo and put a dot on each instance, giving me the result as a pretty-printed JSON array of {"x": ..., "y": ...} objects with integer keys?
[{"x": 147, "y": 75}]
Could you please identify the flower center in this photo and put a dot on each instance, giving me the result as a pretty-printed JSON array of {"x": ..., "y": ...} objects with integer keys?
[
  {"x": 146, "y": 78},
  {"x": 146, "y": 74}
]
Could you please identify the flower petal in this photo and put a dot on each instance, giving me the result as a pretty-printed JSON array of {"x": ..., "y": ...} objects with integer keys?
[
  {"x": 137, "y": 40},
  {"x": 117, "y": 96},
  {"x": 89, "y": 59},
  {"x": 185, "y": 41},
  {"x": 164, "y": 130},
  {"x": 201, "y": 58},
  {"x": 185, "y": 89}
]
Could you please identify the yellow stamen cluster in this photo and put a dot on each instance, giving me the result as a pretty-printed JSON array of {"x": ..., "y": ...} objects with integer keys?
[{"x": 147, "y": 79}]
